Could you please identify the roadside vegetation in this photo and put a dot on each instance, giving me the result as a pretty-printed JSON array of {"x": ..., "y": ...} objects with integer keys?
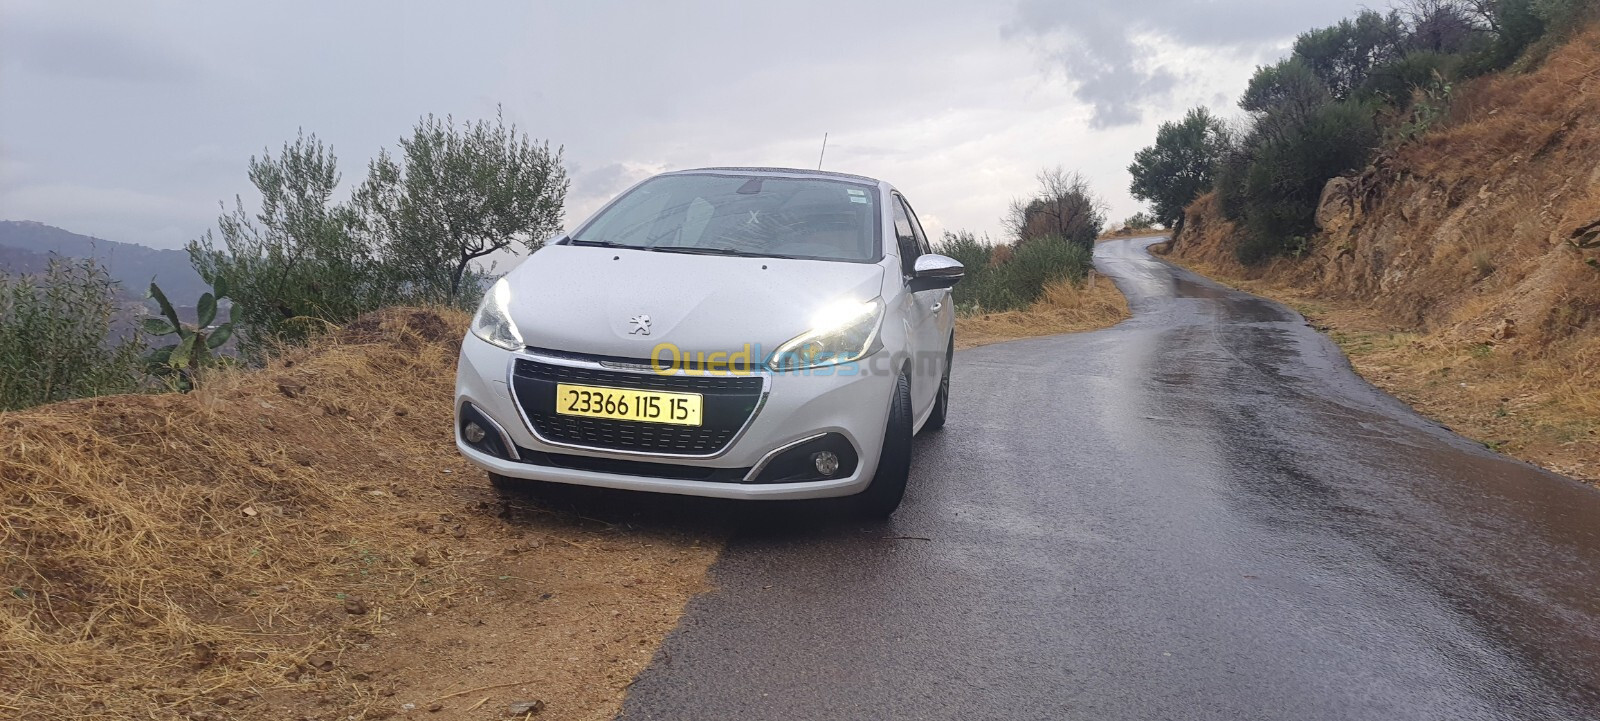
[
  {"x": 1140, "y": 223},
  {"x": 1420, "y": 184},
  {"x": 55, "y": 341},
  {"x": 297, "y": 267},
  {"x": 411, "y": 234},
  {"x": 1344, "y": 94},
  {"x": 1040, "y": 281},
  {"x": 1051, "y": 240}
]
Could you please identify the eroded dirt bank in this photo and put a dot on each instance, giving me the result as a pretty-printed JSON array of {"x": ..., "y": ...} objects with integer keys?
[{"x": 305, "y": 542}]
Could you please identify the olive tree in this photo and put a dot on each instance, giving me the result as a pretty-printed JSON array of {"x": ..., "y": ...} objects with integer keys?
[
  {"x": 455, "y": 194},
  {"x": 1179, "y": 167},
  {"x": 294, "y": 265}
]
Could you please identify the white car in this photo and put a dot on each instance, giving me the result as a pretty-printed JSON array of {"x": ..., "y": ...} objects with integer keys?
[{"x": 747, "y": 333}]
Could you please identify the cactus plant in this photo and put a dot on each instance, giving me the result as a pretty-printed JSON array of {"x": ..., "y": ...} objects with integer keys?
[{"x": 193, "y": 347}]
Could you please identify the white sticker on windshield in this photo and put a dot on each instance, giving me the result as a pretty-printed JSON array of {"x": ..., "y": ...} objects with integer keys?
[
  {"x": 853, "y": 191},
  {"x": 857, "y": 199}
]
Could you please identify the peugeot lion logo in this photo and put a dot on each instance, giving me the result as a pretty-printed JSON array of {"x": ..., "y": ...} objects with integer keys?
[{"x": 641, "y": 325}]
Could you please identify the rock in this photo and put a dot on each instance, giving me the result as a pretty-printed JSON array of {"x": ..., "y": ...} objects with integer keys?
[
  {"x": 420, "y": 557},
  {"x": 1337, "y": 205},
  {"x": 435, "y": 707},
  {"x": 355, "y": 606},
  {"x": 320, "y": 663},
  {"x": 1506, "y": 330},
  {"x": 290, "y": 389},
  {"x": 523, "y": 708}
]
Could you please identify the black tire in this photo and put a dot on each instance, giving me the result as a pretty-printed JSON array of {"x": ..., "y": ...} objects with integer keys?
[
  {"x": 888, "y": 486},
  {"x": 941, "y": 402},
  {"x": 506, "y": 485}
]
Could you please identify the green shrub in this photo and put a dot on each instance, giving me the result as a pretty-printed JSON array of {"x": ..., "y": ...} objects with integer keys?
[
  {"x": 1280, "y": 187},
  {"x": 54, "y": 331},
  {"x": 1141, "y": 221},
  {"x": 1016, "y": 277}
]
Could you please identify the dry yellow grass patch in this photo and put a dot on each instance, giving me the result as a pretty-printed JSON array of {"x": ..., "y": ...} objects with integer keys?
[
  {"x": 304, "y": 541},
  {"x": 1064, "y": 308}
]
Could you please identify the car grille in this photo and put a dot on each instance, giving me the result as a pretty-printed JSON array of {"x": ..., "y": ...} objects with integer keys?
[{"x": 728, "y": 402}]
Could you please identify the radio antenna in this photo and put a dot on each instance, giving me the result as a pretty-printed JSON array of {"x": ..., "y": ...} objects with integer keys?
[{"x": 824, "y": 151}]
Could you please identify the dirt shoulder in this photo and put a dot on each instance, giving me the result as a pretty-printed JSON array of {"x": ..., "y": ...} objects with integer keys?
[
  {"x": 305, "y": 542},
  {"x": 1543, "y": 408},
  {"x": 1064, "y": 308}
]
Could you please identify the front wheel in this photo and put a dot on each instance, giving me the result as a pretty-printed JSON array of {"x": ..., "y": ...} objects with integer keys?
[{"x": 888, "y": 485}]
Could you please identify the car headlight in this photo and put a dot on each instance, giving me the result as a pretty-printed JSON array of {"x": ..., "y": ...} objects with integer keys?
[
  {"x": 493, "y": 319},
  {"x": 840, "y": 333}
]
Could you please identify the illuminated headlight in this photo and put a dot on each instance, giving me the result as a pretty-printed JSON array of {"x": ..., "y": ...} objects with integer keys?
[
  {"x": 840, "y": 333},
  {"x": 493, "y": 320}
]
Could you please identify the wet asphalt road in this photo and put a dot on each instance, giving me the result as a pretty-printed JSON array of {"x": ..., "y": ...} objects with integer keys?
[{"x": 1198, "y": 514}]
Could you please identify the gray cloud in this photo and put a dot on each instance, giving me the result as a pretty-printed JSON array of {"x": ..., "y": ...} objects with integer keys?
[
  {"x": 91, "y": 52},
  {"x": 130, "y": 121},
  {"x": 1101, "y": 48}
]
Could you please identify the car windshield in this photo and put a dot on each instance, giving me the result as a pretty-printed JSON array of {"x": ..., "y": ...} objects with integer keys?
[{"x": 760, "y": 216}]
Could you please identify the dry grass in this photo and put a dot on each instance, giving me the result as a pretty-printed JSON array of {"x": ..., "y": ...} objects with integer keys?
[
  {"x": 1064, "y": 308},
  {"x": 1131, "y": 233},
  {"x": 304, "y": 540}
]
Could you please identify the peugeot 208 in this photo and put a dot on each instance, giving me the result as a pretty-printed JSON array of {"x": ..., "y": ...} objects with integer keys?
[{"x": 733, "y": 332}]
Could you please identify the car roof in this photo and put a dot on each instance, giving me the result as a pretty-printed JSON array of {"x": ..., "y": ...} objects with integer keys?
[{"x": 779, "y": 172}]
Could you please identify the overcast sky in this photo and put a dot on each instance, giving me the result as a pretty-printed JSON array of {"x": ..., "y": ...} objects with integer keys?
[{"x": 131, "y": 120}]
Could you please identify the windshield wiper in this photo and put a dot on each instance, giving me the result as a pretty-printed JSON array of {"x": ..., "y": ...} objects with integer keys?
[
  {"x": 701, "y": 250},
  {"x": 603, "y": 244}
]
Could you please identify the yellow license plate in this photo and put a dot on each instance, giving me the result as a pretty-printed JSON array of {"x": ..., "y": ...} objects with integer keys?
[{"x": 625, "y": 404}]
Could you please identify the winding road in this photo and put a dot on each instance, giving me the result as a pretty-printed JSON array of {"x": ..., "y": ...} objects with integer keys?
[{"x": 1201, "y": 513}]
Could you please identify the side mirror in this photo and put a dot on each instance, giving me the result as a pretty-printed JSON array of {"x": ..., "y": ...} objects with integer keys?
[{"x": 933, "y": 272}]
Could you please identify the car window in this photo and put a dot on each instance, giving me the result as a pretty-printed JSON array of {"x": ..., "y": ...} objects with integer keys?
[
  {"x": 756, "y": 215},
  {"x": 916, "y": 225},
  {"x": 905, "y": 236}
]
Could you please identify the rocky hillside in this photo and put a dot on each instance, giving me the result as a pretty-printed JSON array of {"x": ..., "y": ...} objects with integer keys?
[
  {"x": 1486, "y": 229},
  {"x": 1461, "y": 271}
]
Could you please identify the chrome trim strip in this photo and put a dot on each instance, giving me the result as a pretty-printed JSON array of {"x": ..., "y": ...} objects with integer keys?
[
  {"x": 505, "y": 438},
  {"x": 511, "y": 385},
  {"x": 761, "y": 465}
]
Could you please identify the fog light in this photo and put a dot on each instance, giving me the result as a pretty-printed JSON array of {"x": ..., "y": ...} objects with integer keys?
[
  {"x": 826, "y": 462},
  {"x": 474, "y": 433}
]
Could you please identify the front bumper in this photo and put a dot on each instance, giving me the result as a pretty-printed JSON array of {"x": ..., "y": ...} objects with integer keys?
[{"x": 797, "y": 407}]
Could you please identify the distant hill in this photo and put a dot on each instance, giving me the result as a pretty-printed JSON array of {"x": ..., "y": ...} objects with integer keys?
[{"x": 25, "y": 246}]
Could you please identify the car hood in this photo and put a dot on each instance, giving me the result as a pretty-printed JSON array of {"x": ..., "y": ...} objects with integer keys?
[{"x": 583, "y": 299}]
